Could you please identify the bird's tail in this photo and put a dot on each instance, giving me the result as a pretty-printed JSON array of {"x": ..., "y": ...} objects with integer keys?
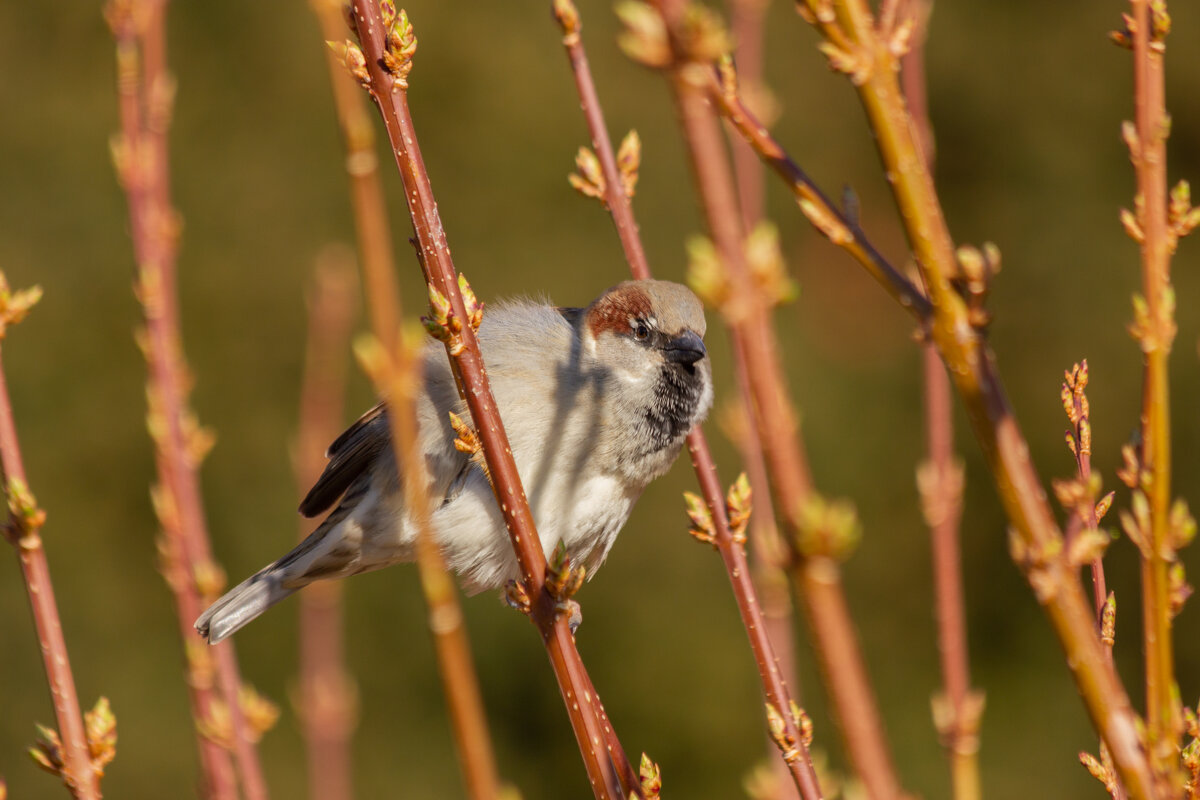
[
  {"x": 243, "y": 603},
  {"x": 324, "y": 554}
]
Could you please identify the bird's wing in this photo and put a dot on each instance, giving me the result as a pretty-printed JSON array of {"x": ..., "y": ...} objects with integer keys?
[{"x": 349, "y": 455}]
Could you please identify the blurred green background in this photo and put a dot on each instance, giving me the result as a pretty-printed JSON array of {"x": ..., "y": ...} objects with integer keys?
[{"x": 1026, "y": 99}]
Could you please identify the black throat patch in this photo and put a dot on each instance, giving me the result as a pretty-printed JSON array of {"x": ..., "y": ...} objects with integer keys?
[{"x": 677, "y": 395}]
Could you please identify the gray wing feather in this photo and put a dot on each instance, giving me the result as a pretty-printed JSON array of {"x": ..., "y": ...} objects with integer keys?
[{"x": 349, "y": 456}]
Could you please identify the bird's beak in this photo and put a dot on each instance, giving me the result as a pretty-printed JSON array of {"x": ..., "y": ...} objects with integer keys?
[{"x": 686, "y": 348}]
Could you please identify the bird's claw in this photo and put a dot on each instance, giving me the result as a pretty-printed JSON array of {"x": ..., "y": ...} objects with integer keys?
[{"x": 572, "y": 611}]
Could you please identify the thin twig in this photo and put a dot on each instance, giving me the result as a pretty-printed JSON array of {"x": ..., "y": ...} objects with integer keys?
[
  {"x": 817, "y": 573},
  {"x": 1037, "y": 542},
  {"x": 1156, "y": 333},
  {"x": 797, "y": 761},
  {"x": 1079, "y": 498},
  {"x": 23, "y": 532},
  {"x": 140, "y": 154},
  {"x": 397, "y": 377},
  {"x": 957, "y": 709},
  {"x": 792, "y": 741},
  {"x": 395, "y": 373},
  {"x": 767, "y": 548},
  {"x": 836, "y": 225},
  {"x": 746, "y": 22},
  {"x": 326, "y": 702},
  {"x": 373, "y": 231},
  {"x": 385, "y": 69},
  {"x": 615, "y": 198}
]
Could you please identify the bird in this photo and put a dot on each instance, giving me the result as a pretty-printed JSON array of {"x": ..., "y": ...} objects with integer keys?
[{"x": 596, "y": 401}]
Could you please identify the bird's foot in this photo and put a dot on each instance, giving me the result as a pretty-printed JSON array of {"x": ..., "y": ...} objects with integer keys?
[{"x": 571, "y": 610}]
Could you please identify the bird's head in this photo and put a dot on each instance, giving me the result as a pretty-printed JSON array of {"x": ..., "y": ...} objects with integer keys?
[{"x": 649, "y": 336}]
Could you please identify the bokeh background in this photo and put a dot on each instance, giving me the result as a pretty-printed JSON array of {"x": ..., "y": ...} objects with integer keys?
[{"x": 1026, "y": 99}]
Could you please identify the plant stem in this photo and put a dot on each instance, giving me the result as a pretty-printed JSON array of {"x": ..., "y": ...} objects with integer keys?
[
  {"x": 1163, "y": 721},
  {"x": 768, "y": 551},
  {"x": 395, "y": 375},
  {"x": 615, "y": 199},
  {"x": 390, "y": 94},
  {"x": 797, "y": 759},
  {"x": 847, "y": 234},
  {"x": 26, "y": 539},
  {"x": 373, "y": 231},
  {"x": 819, "y": 578},
  {"x": 327, "y": 699},
  {"x": 746, "y": 21},
  {"x": 972, "y": 366},
  {"x": 943, "y": 510},
  {"x": 798, "y": 768},
  {"x": 943, "y": 484},
  {"x": 145, "y": 96}
]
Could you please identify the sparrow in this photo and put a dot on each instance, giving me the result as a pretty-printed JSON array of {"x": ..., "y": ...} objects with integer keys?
[{"x": 596, "y": 401}]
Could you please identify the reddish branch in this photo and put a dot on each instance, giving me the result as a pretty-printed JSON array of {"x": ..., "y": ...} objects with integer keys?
[
  {"x": 374, "y": 237},
  {"x": 867, "y": 52},
  {"x": 1147, "y": 31},
  {"x": 957, "y": 709},
  {"x": 394, "y": 369},
  {"x": 818, "y": 575},
  {"x": 145, "y": 94},
  {"x": 386, "y": 78},
  {"x": 397, "y": 376},
  {"x": 327, "y": 698},
  {"x": 23, "y": 532},
  {"x": 617, "y": 201},
  {"x": 768, "y": 550},
  {"x": 840, "y": 227},
  {"x": 746, "y": 22}
]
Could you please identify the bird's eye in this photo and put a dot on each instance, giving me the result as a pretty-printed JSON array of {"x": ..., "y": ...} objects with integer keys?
[{"x": 641, "y": 332}]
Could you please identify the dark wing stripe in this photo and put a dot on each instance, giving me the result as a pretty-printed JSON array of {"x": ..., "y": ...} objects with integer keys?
[{"x": 349, "y": 456}]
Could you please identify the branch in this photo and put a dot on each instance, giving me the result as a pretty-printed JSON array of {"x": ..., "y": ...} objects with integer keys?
[
  {"x": 689, "y": 38},
  {"x": 23, "y": 531},
  {"x": 146, "y": 93},
  {"x": 839, "y": 227},
  {"x": 793, "y": 742},
  {"x": 867, "y": 54},
  {"x": 373, "y": 231},
  {"x": 957, "y": 709},
  {"x": 394, "y": 368},
  {"x": 746, "y": 19},
  {"x": 326, "y": 701},
  {"x": 396, "y": 375},
  {"x": 1154, "y": 328},
  {"x": 383, "y": 67}
]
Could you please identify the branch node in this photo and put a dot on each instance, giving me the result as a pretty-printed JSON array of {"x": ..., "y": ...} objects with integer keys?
[
  {"x": 629, "y": 160},
  {"x": 568, "y": 19},
  {"x": 1108, "y": 620},
  {"x": 15, "y": 306},
  {"x": 738, "y": 507},
  {"x": 516, "y": 595},
  {"x": 589, "y": 181},
  {"x": 703, "y": 529},
  {"x": 1040, "y": 561},
  {"x": 352, "y": 58},
  {"x": 563, "y": 580}
]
